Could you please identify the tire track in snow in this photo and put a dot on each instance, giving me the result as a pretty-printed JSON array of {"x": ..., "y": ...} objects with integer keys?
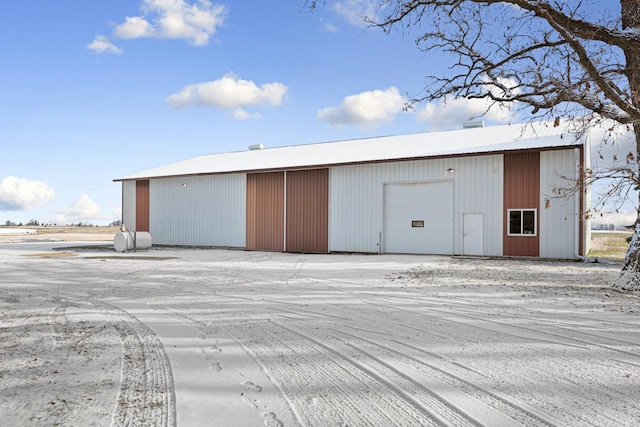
[
  {"x": 436, "y": 369},
  {"x": 453, "y": 315},
  {"x": 145, "y": 395},
  {"x": 562, "y": 330},
  {"x": 432, "y": 407},
  {"x": 373, "y": 317},
  {"x": 202, "y": 326},
  {"x": 537, "y": 334},
  {"x": 308, "y": 316},
  {"x": 289, "y": 368},
  {"x": 270, "y": 419},
  {"x": 472, "y": 304},
  {"x": 440, "y": 368},
  {"x": 178, "y": 315},
  {"x": 549, "y": 322},
  {"x": 615, "y": 337},
  {"x": 403, "y": 384},
  {"x": 325, "y": 389},
  {"x": 580, "y": 395},
  {"x": 423, "y": 399}
]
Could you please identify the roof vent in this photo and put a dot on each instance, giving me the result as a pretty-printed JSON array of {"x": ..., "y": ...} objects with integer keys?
[
  {"x": 471, "y": 125},
  {"x": 256, "y": 147}
]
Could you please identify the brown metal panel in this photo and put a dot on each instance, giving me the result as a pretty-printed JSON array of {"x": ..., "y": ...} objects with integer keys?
[
  {"x": 250, "y": 230},
  {"x": 308, "y": 211},
  {"x": 142, "y": 205},
  {"x": 265, "y": 211},
  {"x": 521, "y": 191}
]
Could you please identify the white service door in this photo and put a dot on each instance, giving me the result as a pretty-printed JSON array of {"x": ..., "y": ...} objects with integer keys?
[
  {"x": 473, "y": 234},
  {"x": 418, "y": 218}
]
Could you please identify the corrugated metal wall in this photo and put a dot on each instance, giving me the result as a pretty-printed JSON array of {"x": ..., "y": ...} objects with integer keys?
[
  {"x": 418, "y": 218},
  {"x": 521, "y": 191},
  {"x": 142, "y": 205},
  {"x": 129, "y": 204},
  {"x": 559, "y": 221},
  {"x": 356, "y": 198},
  {"x": 478, "y": 190},
  {"x": 585, "y": 164},
  {"x": 239, "y": 210},
  {"x": 307, "y": 211},
  {"x": 265, "y": 211},
  {"x": 199, "y": 210}
]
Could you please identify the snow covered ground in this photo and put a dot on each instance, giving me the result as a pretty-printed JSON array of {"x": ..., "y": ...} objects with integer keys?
[
  {"x": 16, "y": 231},
  {"x": 233, "y": 338}
]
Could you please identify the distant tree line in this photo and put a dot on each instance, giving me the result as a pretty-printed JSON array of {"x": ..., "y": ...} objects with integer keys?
[
  {"x": 36, "y": 223},
  {"x": 31, "y": 223}
]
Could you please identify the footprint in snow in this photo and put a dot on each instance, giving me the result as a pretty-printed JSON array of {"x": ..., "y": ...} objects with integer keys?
[
  {"x": 214, "y": 349},
  {"x": 215, "y": 367},
  {"x": 270, "y": 420},
  {"x": 249, "y": 386},
  {"x": 249, "y": 401},
  {"x": 209, "y": 352}
]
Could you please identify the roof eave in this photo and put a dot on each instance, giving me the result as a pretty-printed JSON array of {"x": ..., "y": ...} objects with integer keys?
[{"x": 337, "y": 164}]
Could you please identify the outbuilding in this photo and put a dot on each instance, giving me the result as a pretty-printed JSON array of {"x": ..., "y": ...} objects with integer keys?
[{"x": 487, "y": 191}]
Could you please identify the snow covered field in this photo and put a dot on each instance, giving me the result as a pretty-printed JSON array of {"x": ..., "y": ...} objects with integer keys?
[
  {"x": 16, "y": 231},
  {"x": 232, "y": 338}
]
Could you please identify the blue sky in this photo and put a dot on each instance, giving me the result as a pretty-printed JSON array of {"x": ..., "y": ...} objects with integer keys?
[{"x": 94, "y": 90}]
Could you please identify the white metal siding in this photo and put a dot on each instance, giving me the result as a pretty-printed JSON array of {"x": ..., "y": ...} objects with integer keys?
[
  {"x": 430, "y": 204},
  {"x": 479, "y": 189},
  {"x": 560, "y": 221},
  {"x": 473, "y": 234},
  {"x": 586, "y": 225},
  {"x": 199, "y": 210},
  {"x": 356, "y": 198},
  {"x": 129, "y": 204}
]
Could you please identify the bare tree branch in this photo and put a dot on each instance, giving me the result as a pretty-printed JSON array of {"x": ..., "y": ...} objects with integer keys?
[
  {"x": 556, "y": 57},
  {"x": 600, "y": 85}
]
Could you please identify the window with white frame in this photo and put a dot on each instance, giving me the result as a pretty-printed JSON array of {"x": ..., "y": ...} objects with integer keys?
[{"x": 522, "y": 222}]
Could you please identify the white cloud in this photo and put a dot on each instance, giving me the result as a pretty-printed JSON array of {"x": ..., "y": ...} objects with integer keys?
[
  {"x": 242, "y": 114},
  {"x": 329, "y": 27},
  {"x": 174, "y": 19},
  {"x": 229, "y": 93},
  {"x": 133, "y": 28},
  {"x": 368, "y": 109},
  {"x": 102, "y": 45},
  {"x": 610, "y": 144},
  {"x": 451, "y": 113},
  {"x": 619, "y": 219},
  {"x": 19, "y": 194},
  {"x": 355, "y": 11},
  {"x": 82, "y": 210}
]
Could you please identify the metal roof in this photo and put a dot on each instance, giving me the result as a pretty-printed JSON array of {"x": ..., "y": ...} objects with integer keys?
[{"x": 474, "y": 141}]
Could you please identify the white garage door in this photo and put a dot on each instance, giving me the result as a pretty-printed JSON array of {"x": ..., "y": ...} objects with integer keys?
[{"x": 418, "y": 218}]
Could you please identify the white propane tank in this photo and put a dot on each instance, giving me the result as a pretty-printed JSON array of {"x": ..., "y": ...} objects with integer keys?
[{"x": 123, "y": 241}]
